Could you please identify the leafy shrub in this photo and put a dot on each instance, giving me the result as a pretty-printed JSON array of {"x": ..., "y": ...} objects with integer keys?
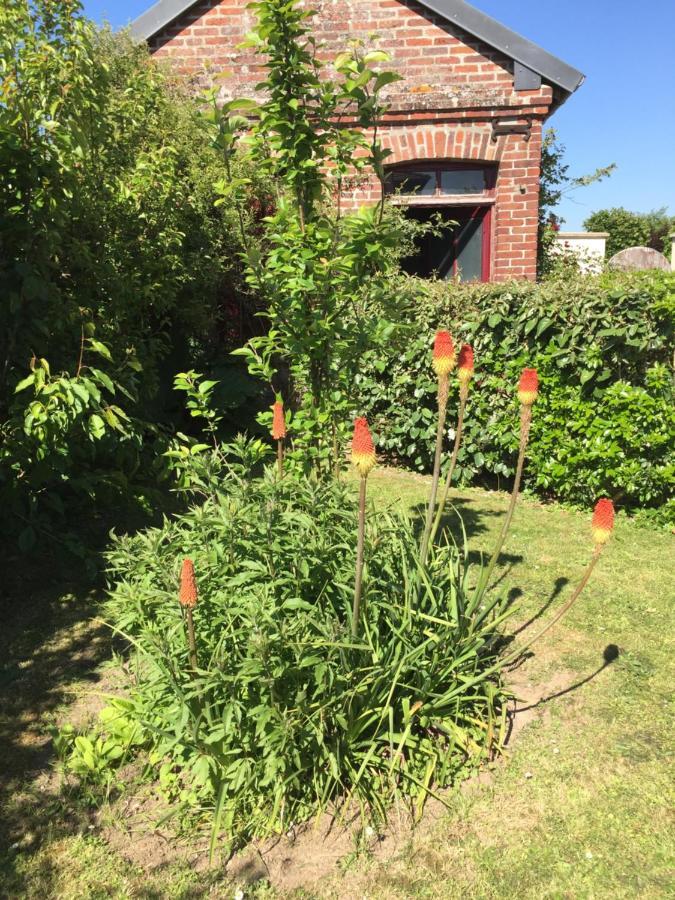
[
  {"x": 115, "y": 263},
  {"x": 599, "y": 344},
  {"x": 631, "y": 229},
  {"x": 94, "y": 758},
  {"x": 286, "y": 713},
  {"x": 619, "y": 445}
]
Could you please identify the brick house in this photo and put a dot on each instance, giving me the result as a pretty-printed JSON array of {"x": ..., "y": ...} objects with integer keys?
[{"x": 464, "y": 126}]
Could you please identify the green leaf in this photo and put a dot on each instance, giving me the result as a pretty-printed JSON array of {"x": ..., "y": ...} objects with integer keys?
[
  {"x": 100, "y": 348},
  {"x": 96, "y": 426},
  {"x": 24, "y": 383}
]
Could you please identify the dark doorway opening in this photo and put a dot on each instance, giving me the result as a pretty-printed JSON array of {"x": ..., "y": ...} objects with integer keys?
[{"x": 459, "y": 248}]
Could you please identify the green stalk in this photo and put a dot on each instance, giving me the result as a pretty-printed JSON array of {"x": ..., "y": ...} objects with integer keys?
[
  {"x": 442, "y": 409},
  {"x": 336, "y": 452},
  {"x": 192, "y": 642},
  {"x": 463, "y": 394},
  {"x": 359, "y": 557},
  {"x": 280, "y": 458},
  {"x": 525, "y": 422}
]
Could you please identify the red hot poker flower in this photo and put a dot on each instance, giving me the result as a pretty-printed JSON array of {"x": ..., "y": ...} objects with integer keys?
[
  {"x": 363, "y": 449},
  {"x": 444, "y": 353},
  {"x": 188, "y": 585},
  {"x": 603, "y": 521},
  {"x": 279, "y": 421},
  {"x": 465, "y": 364},
  {"x": 528, "y": 387}
]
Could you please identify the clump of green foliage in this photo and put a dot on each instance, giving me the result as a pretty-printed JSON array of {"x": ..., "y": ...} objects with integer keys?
[
  {"x": 286, "y": 712},
  {"x": 115, "y": 264},
  {"x": 631, "y": 229},
  {"x": 603, "y": 350}
]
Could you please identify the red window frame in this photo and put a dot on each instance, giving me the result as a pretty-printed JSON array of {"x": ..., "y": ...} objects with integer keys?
[
  {"x": 439, "y": 199},
  {"x": 489, "y": 173}
]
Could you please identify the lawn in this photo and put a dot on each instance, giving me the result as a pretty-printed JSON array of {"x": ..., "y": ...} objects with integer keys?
[{"x": 580, "y": 807}]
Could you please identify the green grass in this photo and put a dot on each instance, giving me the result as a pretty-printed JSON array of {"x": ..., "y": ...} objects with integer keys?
[{"x": 581, "y": 808}]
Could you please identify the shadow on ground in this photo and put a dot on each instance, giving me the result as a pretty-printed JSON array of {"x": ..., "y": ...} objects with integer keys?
[
  {"x": 463, "y": 521},
  {"x": 49, "y": 648}
]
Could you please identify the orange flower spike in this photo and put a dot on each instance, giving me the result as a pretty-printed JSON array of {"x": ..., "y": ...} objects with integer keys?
[
  {"x": 363, "y": 449},
  {"x": 279, "y": 421},
  {"x": 188, "y": 585},
  {"x": 528, "y": 388},
  {"x": 444, "y": 353},
  {"x": 465, "y": 364},
  {"x": 603, "y": 521}
]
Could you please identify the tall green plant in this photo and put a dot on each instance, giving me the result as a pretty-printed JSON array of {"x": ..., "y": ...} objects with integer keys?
[
  {"x": 465, "y": 365},
  {"x": 320, "y": 270},
  {"x": 289, "y": 713},
  {"x": 528, "y": 389},
  {"x": 444, "y": 359}
]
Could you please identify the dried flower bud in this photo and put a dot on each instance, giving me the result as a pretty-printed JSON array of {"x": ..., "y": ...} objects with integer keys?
[
  {"x": 363, "y": 449},
  {"x": 279, "y": 421},
  {"x": 465, "y": 364},
  {"x": 444, "y": 353},
  {"x": 603, "y": 521},
  {"x": 528, "y": 387},
  {"x": 188, "y": 585}
]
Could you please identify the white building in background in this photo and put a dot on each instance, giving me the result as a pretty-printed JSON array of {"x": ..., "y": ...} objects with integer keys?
[{"x": 588, "y": 246}]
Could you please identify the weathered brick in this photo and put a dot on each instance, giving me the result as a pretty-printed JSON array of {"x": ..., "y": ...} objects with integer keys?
[{"x": 453, "y": 89}]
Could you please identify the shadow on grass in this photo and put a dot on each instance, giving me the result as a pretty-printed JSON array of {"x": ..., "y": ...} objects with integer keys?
[
  {"x": 49, "y": 647},
  {"x": 610, "y": 654},
  {"x": 560, "y": 584},
  {"x": 464, "y": 520}
]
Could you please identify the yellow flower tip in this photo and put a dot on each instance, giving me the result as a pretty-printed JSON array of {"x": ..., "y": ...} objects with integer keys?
[
  {"x": 601, "y": 535},
  {"x": 465, "y": 365}
]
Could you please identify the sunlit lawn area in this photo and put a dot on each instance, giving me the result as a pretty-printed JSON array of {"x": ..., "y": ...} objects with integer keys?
[{"x": 581, "y": 807}]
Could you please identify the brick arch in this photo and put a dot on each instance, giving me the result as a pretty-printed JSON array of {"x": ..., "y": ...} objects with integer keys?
[{"x": 433, "y": 142}]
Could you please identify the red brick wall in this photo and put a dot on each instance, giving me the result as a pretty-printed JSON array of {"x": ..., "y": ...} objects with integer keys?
[{"x": 454, "y": 88}]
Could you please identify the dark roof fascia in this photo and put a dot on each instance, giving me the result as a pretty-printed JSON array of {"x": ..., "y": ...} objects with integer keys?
[
  {"x": 161, "y": 14},
  {"x": 460, "y": 13}
]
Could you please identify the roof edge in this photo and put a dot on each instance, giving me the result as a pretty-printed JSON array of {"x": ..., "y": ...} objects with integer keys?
[
  {"x": 458, "y": 12},
  {"x": 160, "y": 14}
]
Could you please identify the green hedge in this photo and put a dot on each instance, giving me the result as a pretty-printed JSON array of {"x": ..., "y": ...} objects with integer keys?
[{"x": 603, "y": 348}]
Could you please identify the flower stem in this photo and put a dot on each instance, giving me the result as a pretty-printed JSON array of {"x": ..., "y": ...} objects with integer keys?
[
  {"x": 463, "y": 394},
  {"x": 511, "y": 657},
  {"x": 563, "y": 609},
  {"x": 442, "y": 409},
  {"x": 280, "y": 457},
  {"x": 525, "y": 422},
  {"x": 359, "y": 557},
  {"x": 192, "y": 642}
]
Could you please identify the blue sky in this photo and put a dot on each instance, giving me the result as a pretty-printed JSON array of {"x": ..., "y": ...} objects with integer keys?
[{"x": 623, "y": 113}]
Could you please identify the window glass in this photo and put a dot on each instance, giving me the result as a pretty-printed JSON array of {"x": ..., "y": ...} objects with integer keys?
[
  {"x": 463, "y": 181},
  {"x": 454, "y": 249},
  {"x": 421, "y": 182},
  {"x": 470, "y": 250}
]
